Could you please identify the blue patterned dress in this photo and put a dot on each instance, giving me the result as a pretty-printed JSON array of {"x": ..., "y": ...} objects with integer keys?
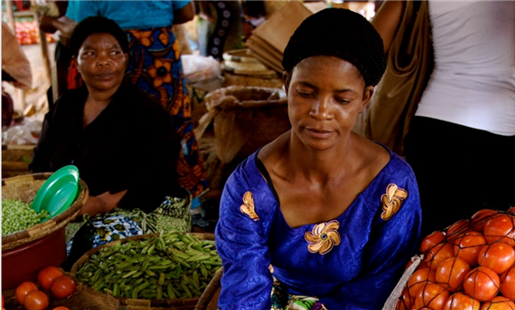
[{"x": 351, "y": 262}]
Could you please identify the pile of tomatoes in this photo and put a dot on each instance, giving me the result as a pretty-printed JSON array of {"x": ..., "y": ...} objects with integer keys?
[
  {"x": 468, "y": 266},
  {"x": 27, "y": 32},
  {"x": 52, "y": 280}
]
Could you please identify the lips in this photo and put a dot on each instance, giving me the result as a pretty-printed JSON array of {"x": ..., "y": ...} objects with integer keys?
[
  {"x": 104, "y": 76},
  {"x": 319, "y": 133}
]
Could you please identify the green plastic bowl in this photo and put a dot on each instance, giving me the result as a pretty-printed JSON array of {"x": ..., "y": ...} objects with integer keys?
[{"x": 58, "y": 192}]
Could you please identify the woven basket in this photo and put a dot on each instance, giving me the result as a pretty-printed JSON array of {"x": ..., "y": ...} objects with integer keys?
[
  {"x": 209, "y": 299},
  {"x": 140, "y": 304},
  {"x": 25, "y": 188}
]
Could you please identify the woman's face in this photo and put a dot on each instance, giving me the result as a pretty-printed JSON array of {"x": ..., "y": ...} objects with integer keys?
[
  {"x": 101, "y": 62},
  {"x": 325, "y": 96}
]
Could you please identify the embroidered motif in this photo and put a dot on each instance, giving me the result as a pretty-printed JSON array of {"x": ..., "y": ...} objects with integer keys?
[
  {"x": 323, "y": 237},
  {"x": 248, "y": 206},
  {"x": 392, "y": 201}
]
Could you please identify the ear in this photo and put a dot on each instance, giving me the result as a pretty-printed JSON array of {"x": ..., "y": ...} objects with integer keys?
[
  {"x": 75, "y": 63},
  {"x": 286, "y": 81},
  {"x": 126, "y": 61},
  {"x": 367, "y": 95}
]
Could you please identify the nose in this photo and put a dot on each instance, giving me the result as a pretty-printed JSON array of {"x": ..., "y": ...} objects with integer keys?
[
  {"x": 321, "y": 109},
  {"x": 103, "y": 59}
]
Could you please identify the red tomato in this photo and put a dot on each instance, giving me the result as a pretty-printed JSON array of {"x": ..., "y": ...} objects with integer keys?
[
  {"x": 438, "y": 254},
  {"x": 23, "y": 290},
  {"x": 498, "y": 303},
  {"x": 451, "y": 273},
  {"x": 508, "y": 284},
  {"x": 458, "y": 229},
  {"x": 469, "y": 246},
  {"x": 431, "y": 240},
  {"x": 500, "y": 228},
  {"x": 405, "y": 302},
  {"x": 61, "y": 308},
  {"x": 432, "y": 296},
  {"x": 36, "y": 300},
  {"x": 418, "y": 279},
  {"x": 63, "y": 286},
  {"x": 47, "y": 275},
  {"x": 512, "y": 210},
  {"x": 497, "y": 256},
  {"x": 460, "y": 301},
  {"x": 481, "y": 283},
  {"x": 479, "y": 219}
]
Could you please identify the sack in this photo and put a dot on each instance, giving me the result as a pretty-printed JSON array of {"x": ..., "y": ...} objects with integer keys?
[
  {"x": 245, "y": 118},
  {"x": 409, "y": 65}
]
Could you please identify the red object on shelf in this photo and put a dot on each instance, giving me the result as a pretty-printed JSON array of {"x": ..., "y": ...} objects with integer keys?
[{"x": 23, "y": 263}]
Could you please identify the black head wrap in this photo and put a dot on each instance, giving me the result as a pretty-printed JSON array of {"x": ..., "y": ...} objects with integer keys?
[
  {"x": 97, "y": 24},
  {"x": 341, "y": 33}
]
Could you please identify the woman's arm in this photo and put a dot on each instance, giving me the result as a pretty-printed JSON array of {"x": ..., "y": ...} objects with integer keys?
[
  {"x": 183, "y": 15},
  {"x": 241, "y": 242},
  {"x": 387, "y": 20},
  {"x": 102, "y": 203}
]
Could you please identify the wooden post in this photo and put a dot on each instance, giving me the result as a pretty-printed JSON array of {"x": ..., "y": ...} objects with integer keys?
[{"x": 10, "y": 14}]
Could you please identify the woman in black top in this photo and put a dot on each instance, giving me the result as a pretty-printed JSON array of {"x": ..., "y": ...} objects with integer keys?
[{"x": 122, "y": 141}]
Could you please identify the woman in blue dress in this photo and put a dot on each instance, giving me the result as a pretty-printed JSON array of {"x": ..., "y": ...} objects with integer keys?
[{"x": 320, "y": 218}]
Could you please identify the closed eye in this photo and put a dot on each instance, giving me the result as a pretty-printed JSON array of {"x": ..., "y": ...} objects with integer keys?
[
  {"x": 305, "y": 94},
  {"x": 342, "y": 101}
]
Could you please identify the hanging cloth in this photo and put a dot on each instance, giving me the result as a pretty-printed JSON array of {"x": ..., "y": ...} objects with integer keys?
[{"x": 409, "y": 66}]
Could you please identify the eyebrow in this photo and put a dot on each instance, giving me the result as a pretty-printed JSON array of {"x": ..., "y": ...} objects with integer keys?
[
  {"x": 345, "y": 90},
  {"x": 110, "y": 47}
]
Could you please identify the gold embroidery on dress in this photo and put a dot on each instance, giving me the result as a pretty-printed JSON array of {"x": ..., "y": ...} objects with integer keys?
[
  {"x": 323, "y": 237},
  {"x": 248, "y": 206},
  {"x": 392, "y": 200}
]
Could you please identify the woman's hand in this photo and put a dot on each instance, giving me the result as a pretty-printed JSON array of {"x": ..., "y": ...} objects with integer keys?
[{"x": 102, "y": 203}]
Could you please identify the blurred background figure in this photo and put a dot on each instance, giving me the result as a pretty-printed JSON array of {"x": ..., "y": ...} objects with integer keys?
[
  {"x": 220, "y": 27},
  {"x": 15, "y": 70},
  {"x": 461, "y": 139}
]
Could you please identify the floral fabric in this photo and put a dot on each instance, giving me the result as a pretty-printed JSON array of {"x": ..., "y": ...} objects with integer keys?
[{"x": 156, "y": 68}]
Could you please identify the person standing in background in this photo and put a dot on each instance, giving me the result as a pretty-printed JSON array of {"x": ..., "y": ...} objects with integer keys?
[
  {"x": 220, "y": 27},
  {"x": 156, "y": 66},
  {"x": 461, "y": 140}
]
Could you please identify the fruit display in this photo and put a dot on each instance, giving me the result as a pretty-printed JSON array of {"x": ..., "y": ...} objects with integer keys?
[
  {"x": 470, "y": 265},
  {"x": 27, "y": 32}
]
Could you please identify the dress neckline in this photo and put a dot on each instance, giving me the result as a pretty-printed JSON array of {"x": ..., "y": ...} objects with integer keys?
[{"x": 264, "y": 172}]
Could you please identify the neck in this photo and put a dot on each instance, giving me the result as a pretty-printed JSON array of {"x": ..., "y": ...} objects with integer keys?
[
  {"x": 316, "y": 165},
  {"x": 101, "y": 97}
]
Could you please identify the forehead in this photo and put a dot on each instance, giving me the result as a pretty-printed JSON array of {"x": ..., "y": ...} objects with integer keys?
[
  {"x": 96, "y": 40},
  {"x": 321, "y": 69}
]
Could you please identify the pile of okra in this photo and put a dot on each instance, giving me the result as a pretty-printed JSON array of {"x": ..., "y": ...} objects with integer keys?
[{"x": 167, "y": 266}]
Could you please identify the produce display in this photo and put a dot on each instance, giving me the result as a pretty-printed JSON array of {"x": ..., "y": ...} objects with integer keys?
[
  {"x": 52, "y": 281},
  {"x": 167, "y": 266},
  {"x": 17, "y": 215},
  {"x": 468, "y": 266},
  {"x": 27, "y": 32}
]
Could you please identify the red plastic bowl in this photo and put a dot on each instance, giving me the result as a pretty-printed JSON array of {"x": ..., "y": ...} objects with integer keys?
[{"x": 23, "y": 263}]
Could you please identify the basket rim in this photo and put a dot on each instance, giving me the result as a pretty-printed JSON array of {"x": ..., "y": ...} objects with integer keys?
[
  {"x": 140, "y": 302},
  {"x": 48, "y": 227}
]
